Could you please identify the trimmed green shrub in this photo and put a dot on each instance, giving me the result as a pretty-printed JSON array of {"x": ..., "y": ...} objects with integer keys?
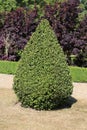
[{"x": 42, "y": 80}]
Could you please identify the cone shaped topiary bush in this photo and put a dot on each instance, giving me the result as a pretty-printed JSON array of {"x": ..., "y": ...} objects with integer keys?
[{"x": 42, "y": 80}]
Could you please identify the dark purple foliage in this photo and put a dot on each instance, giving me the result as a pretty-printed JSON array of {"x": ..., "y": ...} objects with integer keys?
[
  {"x": 1, "y": 47},
  {"x": 63, "y": 18},
  {"x": 81, "y": 37},
  {"x": 17, "y": 28}
]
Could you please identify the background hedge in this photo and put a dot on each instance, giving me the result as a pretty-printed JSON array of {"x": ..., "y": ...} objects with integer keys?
[{"x": 68, "y": 20}]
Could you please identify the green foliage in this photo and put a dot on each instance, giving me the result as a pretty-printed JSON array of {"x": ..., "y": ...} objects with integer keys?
[
  {"x": 84, "y": 2},
  {"x": 42, "y": 79},
  {"x": 7, "y": 5},
  {"x": 30, "y": 3},
  {"x": 83, "y": 7},
  {"x": 40, "y": 4},
  {"x": 54, "y": 1}
]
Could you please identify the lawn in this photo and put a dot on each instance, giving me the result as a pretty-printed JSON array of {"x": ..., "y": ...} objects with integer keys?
[
  {"x": 7, "y": 67},
  {"x": 78, "y": 74}
]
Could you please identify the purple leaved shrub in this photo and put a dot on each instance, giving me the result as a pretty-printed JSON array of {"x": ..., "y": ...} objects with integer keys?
[
  {"x": 16, "y": 30},
  {"x": 81, "y": 43},
  {"x": 17, "y": 26},
  {"x": 64, "y": 20}
]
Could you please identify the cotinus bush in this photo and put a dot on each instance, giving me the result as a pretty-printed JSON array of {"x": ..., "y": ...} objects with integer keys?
[
  {"x": 42, "y": 80},
  {"x": 16, "y": 29}
]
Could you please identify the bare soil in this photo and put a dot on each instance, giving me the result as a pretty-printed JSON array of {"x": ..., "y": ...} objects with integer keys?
[{"x": 15, "y": 117}]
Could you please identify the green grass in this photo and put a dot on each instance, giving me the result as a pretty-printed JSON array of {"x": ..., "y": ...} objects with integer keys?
[
  {"x": 7, "y": 67},
  {"x": 78, "y": 74}
]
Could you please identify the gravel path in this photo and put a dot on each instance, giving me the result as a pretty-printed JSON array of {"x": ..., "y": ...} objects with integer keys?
[
  {"x": 15, "y": 117},
  {"x": 6, "y": 81},
  {"x": 79, "y": 91}
]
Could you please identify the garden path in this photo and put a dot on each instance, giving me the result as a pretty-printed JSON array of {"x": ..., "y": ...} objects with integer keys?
[{"x": 79, "y": 91}]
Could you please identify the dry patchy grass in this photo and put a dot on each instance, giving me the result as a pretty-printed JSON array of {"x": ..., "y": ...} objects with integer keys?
[{"x": 15, "y": 117}]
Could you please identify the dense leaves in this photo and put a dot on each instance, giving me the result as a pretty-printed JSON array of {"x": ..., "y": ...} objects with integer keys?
[
  {"x": 7, "y": 5},
  {"x": 64, "y": 20},
  {"x": 42, "y": 79},
  {"x": 15, "y": 31},
  {"x": 83, "y": 6},
  {"x": 40, "y": 4},
  {"x": 62, "y": 17},
  {"x": 81, "y": 43},
  {"x": 17, "y": 26}
]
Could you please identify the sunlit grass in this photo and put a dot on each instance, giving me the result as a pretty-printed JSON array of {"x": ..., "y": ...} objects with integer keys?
[
  {"x": 8, "y": 67},
  {"x": 78, "y": 74}
]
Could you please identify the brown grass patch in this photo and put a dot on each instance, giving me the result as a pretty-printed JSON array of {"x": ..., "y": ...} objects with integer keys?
[{"x": 15, "y": 117}]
